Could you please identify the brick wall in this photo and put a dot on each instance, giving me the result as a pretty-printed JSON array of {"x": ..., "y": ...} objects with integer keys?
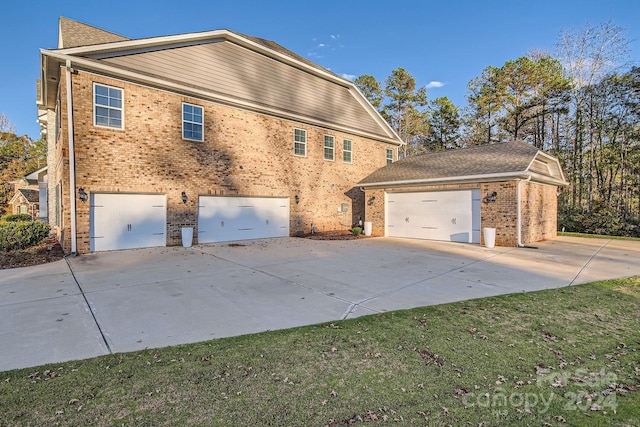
[
  {"x": 539, "y": 212},
  {"x": 242, "y": 153},
  {"x": 539, "y": 209}
]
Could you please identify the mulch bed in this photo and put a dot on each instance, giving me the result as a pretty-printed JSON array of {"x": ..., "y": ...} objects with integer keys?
[
  {"x": 334, "y": 235},
  {"x": 47, "y": 251}
]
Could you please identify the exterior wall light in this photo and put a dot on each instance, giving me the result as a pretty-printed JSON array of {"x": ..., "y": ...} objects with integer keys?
[
  {"x": 184, "y": 198},
  {"x": 372, "y": 200},
  {"x": 490, "y": 197},
  {"x": 297, "y": 199},
  {"x": 82, "y": 195}
]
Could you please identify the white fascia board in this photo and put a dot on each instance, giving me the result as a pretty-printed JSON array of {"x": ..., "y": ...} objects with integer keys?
[
  {"x": 451, "y": 180},
  {"x": 197, "y": 93},
  {"x": 504, "y": 176},
  {"x": 374, "y": 113},
  {"x": 562, "y": 180}
]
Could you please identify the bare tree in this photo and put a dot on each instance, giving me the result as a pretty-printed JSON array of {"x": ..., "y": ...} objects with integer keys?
[
  {"x": 5, "y": 124},
  {"x": 588, "y": 55}
]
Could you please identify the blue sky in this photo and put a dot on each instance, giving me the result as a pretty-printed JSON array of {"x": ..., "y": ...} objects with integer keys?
[{"x": 443, "y": 44}]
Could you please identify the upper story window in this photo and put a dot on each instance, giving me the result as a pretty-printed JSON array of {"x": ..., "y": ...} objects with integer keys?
[
  {"x": 107, "y": 106},
  {"x": 192, "y": 122},
  {"x": 329, "y": 147},
  {"x": 389, "y": 155},
  {"x": 300, "y": 142},
  {"x": 347, "y": 146}
]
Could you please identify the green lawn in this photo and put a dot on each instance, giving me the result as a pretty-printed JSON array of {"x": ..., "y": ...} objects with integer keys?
[
  {"x": 560, "y": 357},
  {"x": 596, "y": 236}
]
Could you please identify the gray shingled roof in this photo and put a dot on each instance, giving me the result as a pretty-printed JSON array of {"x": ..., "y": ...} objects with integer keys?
[
  {"x": 32, "y": 196},
  {"x": 502, "y": 158},
  {"x": 74, "y": 34}
]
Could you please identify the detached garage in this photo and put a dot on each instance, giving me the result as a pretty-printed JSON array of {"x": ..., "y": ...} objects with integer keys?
[
  {"x": 435, "y": 215},
  {"x": 451, "y": 195}
]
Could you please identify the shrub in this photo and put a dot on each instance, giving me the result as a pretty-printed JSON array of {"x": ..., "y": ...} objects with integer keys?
[
  {"x": 21, "y": 235},
  {"x": 356, "y": 231},
  {"x": 18, "y": 218}
]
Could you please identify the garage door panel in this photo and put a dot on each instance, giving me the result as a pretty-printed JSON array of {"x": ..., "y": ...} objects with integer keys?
[
  {"x": 437, "y": 215},
  {"x": 127, "y": 221},
  {"x": 223, "y": 219}
]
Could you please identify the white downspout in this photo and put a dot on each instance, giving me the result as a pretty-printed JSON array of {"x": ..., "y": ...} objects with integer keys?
[
  {"x": 519, "y": 225},
  {"x": 72, "y": 160}
]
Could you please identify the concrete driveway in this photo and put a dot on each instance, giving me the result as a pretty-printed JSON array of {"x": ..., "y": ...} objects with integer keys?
[{"x": 129, "y": 300}]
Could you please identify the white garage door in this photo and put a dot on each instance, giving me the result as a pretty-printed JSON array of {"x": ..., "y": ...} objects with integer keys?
[
  {"x": 436, "y": 215},
  {"x": 221, "y": 219},
  {"x": 127, "y": 221}
]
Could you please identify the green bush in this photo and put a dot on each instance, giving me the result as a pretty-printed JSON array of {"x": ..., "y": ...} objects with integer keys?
[
  {"x": 356, "y": 231},
  {"x": 601, "y": 220},
  {"x": 21, "y": 235},
  {"x": 17, "y": 217}
]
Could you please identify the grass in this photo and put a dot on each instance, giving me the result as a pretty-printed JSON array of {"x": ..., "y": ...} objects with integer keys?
[
  {"x": 568, "y": 356},
  {"x": 596, "y": 236}
]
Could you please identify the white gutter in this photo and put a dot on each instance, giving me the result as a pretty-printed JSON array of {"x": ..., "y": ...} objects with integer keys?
[
  {"x": 453, "y": 179},
  {"x": 492, "y": 177},
  {"x": 519, "y": 223},
  {"x": 72, "y": 159}
]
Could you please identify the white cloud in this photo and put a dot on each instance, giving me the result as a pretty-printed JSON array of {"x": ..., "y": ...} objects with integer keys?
[
  {"x": 322, "y": 45},
  {"x": 348, "y": 76},
  {"x": 434, "y": 84},
  {"x": 334, "y": 36}
]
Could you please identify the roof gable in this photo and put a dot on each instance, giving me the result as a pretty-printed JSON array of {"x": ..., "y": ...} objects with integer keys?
[
  {"x": 501, "y": 161},
  {"x": 28, "y": 195},
  {"x": 224, "y": 68},
  {"x": 233, "y": 69}
]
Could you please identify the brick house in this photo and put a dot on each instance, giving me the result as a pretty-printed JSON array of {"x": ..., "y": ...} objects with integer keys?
[
  {"x": 451, "y": 195},
  {"x": 229, "y": 134},
  {"x": 30, "y": 195},
  {"x": 25, "y": 201}
]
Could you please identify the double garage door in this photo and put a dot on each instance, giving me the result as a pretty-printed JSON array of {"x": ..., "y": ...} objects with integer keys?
[
  {"x": 435, "y": 215},
  {"x": 127, "y": 221},
  {"x": 222, "y": 219}
]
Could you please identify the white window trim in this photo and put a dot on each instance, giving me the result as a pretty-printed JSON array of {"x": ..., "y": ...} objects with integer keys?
[
  {"x": 349, "y": 151},
  {"x": 183, "y": 121},
  {"x": 113, "y": 108},
  {"x": 333, "y": 149},
  {"x": 298, "y": 142},
  {"x": 387, "y": 155}
]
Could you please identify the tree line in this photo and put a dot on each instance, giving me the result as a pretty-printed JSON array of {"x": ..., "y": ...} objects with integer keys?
[{"x": 580, "y": 104}]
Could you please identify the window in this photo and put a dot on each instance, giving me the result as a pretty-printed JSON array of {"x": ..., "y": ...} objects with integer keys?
[
  {"x": 300, "y": 142},
  {"x": 346, "y": 150},
  {"x": 22, "y": 209},
  {"x": 192, "y": 122},
  {"x": 107, "y": 106},
  {"x": 329, "y": 147},
  {"x": 389, "y": 155}
]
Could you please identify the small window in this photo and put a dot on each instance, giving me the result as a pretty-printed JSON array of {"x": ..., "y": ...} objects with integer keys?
[
  {"x": 329, "y": 147},
  {"x": 107, "y": 106},
  {"x": 389, "y": 155},
  {"x": 346, "y": 150},
  {"x": 192, "y": 122},
  {"x": 22, "y": 209},
  {"x": 300, "y": 142}
]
